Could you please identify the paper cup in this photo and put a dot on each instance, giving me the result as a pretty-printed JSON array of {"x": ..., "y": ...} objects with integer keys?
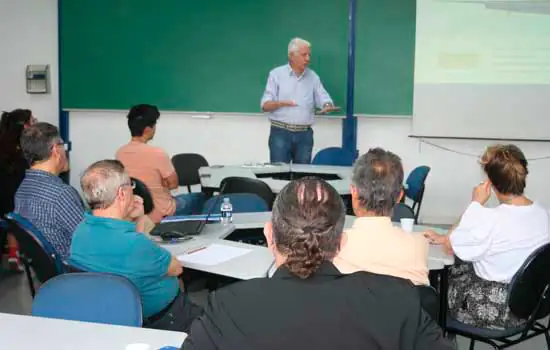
[{"x": 407, "y": 225}]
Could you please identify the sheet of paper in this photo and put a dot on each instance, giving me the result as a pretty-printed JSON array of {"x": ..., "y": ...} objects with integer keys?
[{"x": 213, "y": 254}]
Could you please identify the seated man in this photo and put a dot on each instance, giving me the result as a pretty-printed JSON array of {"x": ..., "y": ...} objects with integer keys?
[
  {"x": 52, "y": 206},
  {"x": 373, "y": 243},
  {"x": 308, "y": 304},
  {"x": 109, "y": 240},
  {"x": 152, "y": 165}
]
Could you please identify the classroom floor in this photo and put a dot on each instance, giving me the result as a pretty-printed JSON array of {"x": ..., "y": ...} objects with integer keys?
[{"x": 15, "y": 298}]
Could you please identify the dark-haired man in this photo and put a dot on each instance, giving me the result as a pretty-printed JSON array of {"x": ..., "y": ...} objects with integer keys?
[
  {"x": 153, "y": 166},
  {"x": 51, "y": 205}
]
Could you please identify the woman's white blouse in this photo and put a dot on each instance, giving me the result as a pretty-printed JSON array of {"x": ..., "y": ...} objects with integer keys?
[{"x": 498, "y": 240}]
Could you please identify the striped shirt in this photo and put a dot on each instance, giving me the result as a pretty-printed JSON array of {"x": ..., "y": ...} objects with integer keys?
[
  {"x": 306, "y": 90},
  {"x": 53, "y": 207}
]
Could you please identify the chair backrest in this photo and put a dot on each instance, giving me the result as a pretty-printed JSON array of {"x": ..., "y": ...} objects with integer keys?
[
  {"x": 415, "y": 182},
  {"x": 140, "y": 189},
  {"x": 402, "y": 211},
  {"x": 36, "y": 249},
  {"x": 529, "y": 290},
  {"x": 333, "y": 156},
  {"x": 232, "y": 185},
  {"x": 90, "y": 297},
  {"x": 187, "y": 167},
  {"x": 242, "y": 203}
]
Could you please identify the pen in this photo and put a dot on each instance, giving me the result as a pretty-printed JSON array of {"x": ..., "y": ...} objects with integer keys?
[{"x": 195, "y": 250}]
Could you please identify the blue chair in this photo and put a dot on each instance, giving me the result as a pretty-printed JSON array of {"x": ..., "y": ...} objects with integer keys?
[
  {"x": 528, "y": 299},
  {"x": 402, "y": 211},
  {"x": 36, "y": 251},
  {"x": 242, "y": 203},
  {"x": 416, "y": 184},
  {"x": 90, "y": 297},
  {"x": 333, "y": 156}
]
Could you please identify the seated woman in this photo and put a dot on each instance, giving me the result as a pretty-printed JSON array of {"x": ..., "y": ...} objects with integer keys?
[
  {"x": 308, "y": 303},
  {"x": 12, "y": 168},
  {"x": 493, "y": 243}
]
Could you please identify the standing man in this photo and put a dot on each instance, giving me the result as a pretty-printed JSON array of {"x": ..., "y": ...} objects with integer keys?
[{"x": 292, "y": 94}]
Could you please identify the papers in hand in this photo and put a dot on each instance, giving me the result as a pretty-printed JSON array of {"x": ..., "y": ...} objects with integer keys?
[{"x": 213, "y": 254}]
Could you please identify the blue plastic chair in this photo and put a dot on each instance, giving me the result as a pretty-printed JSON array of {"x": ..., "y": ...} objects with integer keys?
[
  {"x": 415, "y": 187},
  {"x": 36, "y": 251},
  {"x": 333, "y": 156},
  {"x": 242, "y": 203},
  {"x": 90, "y": 297},
  {"x": 402, "y": 211}
]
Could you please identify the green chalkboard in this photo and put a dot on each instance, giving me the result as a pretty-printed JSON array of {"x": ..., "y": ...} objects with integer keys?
[
  {"x": 193, "y": 55},
  {"x": 215, "y": 55},
  {"x": 384, "y": 68}
]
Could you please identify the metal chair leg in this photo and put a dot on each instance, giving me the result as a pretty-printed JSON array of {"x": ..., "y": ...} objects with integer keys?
[
  {"x": 29, "y": 277},
  {"x": 547, "y": 336},
  {"x": 472, "y": 344}
]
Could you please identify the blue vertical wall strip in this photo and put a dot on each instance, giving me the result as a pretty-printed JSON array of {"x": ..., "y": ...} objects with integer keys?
[
  {"x": 349, "y": 124},
  {"x": 63, "y": 116}
]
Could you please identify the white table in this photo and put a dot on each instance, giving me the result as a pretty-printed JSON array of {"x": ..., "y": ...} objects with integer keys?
[
  {"x": 211, "y": 177},
  {"x": 29, "y": 332},
  {"x": 253, "y": 264},
  {"x": 259, "y": 261}
]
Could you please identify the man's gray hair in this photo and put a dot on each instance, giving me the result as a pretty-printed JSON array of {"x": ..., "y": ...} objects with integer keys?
[
  {"x": 296, "y": 43},
  {"x": 101, "y": 181},
  {"x": 378, "y": 178}
]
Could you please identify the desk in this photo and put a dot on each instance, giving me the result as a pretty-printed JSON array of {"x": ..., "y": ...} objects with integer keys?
[
  {"x": 259, "y": 261},
  {"x": 253, "y": 264},
  {"x": 29, "y": 332},
  {"x": 211, "y": 177}
]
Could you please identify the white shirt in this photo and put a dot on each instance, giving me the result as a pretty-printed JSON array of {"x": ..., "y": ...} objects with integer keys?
[{"x": 498, "y": 240}]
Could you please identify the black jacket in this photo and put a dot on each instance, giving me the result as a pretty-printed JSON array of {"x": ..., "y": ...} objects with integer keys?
[{"x": 326, "y": 311}]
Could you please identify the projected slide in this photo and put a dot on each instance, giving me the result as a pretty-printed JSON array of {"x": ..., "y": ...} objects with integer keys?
[
  {"x": 482, "y": 62},
  {"x": 492, "y": 42}
]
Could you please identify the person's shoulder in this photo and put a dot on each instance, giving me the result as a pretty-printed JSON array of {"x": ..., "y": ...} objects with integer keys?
[
  {"x": 279, "y": 70},
  {"x": 154, "y": 150},
  {"x": 312, "y": 73},
  {"x": 361, "y": 281},
  {"x": 243, "y": 290}
]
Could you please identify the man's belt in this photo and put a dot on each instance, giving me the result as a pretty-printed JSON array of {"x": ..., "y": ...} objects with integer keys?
[{"x": 290, "y": 127}]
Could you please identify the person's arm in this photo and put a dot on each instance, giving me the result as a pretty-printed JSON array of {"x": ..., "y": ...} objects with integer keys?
[
  {"x": 270, "y": 99},
  {"x": 175, "y": 268},
  {"x": 158, "y": 261},
  {"x": 171, "y": 182},
  {"x": 206, "y": 331},
  {"x": 322, "y": 98},
  {"x": 429, "y": 334},
  {"x": 72, "y": 207},
  {"x": 167, "y": 171}
]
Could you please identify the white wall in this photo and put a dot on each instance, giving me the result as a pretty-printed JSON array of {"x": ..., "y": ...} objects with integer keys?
[
  {"x": 28, "y": 36},
  {"x": 238, "y": 139}
]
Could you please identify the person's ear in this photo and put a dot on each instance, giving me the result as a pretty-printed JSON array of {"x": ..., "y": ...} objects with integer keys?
[
  {"x": 401, "y": 194},
  {"x": 268, "y": 233},
  {"x": 343, "y": 240},
  {"x": 353, "y": 191}
]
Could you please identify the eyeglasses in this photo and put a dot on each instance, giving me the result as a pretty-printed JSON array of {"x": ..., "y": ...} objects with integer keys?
[{"x": 130, "y": 184}]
